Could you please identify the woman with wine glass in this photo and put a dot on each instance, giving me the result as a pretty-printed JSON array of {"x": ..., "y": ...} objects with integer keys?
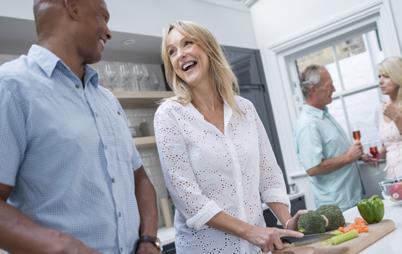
[
  {"x": 390, "y": 121},
  {"x": 216, "y": 157}
]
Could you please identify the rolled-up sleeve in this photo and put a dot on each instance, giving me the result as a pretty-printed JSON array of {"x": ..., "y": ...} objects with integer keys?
[
  {"x": 272, "y": 183},
  {"x": 309, "y": 146},
  {"x": 180, "y": 180},
  {"x": 12, "y": 135}
]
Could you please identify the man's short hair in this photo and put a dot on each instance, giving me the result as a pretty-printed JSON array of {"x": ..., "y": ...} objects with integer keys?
[{"x": 310, "y": 77}]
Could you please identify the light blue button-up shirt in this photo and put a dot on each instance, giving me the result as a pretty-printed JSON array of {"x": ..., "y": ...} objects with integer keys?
[
  {"x": 319, "y": 137},
  {"x": 67, "y": 152}
]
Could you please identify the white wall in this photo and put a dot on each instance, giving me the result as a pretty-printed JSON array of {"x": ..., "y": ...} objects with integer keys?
[
  {"x": 231, "y": 26},
  {"x": 277, "y": 20},
  {"x": 396, "y": 6}
]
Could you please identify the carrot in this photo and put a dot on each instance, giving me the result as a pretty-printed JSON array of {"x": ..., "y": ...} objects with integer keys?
[{"x": 360, "y": 225}]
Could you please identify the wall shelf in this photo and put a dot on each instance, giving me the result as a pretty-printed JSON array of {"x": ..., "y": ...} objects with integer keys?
[
  {"x": 129, "y": 99},
  {"x": 145, "y": 142}
]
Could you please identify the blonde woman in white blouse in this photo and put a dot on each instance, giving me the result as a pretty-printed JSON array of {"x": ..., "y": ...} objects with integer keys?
[{"x": 216, "y": 158}]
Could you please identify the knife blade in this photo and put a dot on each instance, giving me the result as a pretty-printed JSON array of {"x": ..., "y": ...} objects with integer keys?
[{"x": 306, "y": 239}]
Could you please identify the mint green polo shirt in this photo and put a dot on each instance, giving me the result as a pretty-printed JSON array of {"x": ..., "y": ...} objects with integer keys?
[{"x": 318, "y": 137}]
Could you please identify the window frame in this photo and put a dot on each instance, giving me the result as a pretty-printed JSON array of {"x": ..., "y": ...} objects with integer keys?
[{"x": 344, "y": 93}]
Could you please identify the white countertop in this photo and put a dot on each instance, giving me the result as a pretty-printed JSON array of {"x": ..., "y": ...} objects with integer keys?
[{"x": 389, "y": 244}]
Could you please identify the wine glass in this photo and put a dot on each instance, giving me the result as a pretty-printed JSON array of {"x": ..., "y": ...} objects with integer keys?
[
  {"x": 137, "y": 77},
  {"x": 373, "y": 148},
  {"x": 125, "y": 76},
  {"x": 111, "y": 74},
  {"x": 356, "y": 132}
]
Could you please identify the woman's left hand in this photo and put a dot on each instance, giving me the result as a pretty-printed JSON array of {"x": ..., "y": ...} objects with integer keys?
[
  {"x": 391, "y": 111},
  {"x": 292, "y": 223}
]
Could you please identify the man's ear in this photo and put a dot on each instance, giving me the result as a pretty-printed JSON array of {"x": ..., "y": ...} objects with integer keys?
[{"x": 72, "y": 7}]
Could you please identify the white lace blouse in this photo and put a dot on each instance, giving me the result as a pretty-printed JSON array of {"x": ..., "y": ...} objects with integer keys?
[{"x": 207, "y": 171}]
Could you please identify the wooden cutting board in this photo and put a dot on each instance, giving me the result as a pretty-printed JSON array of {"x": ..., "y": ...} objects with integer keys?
[{"x": 376, "y": 231}]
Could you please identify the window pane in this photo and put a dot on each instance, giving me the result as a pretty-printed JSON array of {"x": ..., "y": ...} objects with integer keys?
[
  {"x": 322, "y": 57},
  {"x": 336, "y": 110},
  {"x": 355, "y": 63},
  {"x": 362, "y": 108}
]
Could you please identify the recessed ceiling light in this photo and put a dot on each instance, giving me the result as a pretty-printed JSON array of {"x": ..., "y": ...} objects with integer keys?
[{"x": 128, "y": 42}]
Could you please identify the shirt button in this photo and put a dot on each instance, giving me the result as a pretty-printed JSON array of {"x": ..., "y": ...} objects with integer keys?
[
  {"x": 113, "y": 181},
  {"x": 105, "y": 147},
  {"x": 119, "y": 214},
  {"x": 121, "y": 249},
  {"x": 118, "y": 112},
  {"x": 77, "y": 86}
]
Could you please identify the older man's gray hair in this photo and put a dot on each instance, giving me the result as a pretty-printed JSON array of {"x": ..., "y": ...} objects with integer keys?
[{"x": 310, "y": 77}]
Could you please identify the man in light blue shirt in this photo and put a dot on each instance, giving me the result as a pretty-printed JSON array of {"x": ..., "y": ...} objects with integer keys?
[
  {"x": 322, "y": 146},
  {"x": 71, "y": 180}
]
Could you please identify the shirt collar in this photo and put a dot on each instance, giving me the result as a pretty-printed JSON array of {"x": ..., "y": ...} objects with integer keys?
[
  {"x": 48, "y": 62},
  {"x": 317, "y": 112},
  {"x": 44, "y": 58}
]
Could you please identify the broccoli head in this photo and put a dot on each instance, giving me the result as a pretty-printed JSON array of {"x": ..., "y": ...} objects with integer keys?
[
  {"x": 311, "y": 223},
  {"x": 334, "y": 216}
]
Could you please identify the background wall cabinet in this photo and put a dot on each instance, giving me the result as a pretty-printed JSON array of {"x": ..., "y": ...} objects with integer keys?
[{"x": 247, "y": 66}]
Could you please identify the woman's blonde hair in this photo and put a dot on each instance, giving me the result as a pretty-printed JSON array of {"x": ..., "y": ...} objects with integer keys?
[
  {"x": 222, "y": 75},
  {"x": 392, "y": 67}
]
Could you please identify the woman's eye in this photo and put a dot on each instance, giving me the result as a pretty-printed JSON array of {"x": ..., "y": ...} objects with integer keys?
[
  {"x": 171, "y": 52},
  {"x": 186, "y": 43}
]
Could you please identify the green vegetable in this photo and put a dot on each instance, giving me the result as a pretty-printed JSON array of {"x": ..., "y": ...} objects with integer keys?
[
  {"x": 342, "y": 237},
  {"x": 334, "y": 216},
  {"x": 372, "y": 209},
  {"x": 311, "y": 223}
]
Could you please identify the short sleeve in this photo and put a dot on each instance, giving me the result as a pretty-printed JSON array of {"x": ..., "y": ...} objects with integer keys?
[
  {"x": 180, "y": 179},
  {"x": 309, "y": 146},
  {"x": 12, "y": 136},
  {"x": 135, "y": 158}
]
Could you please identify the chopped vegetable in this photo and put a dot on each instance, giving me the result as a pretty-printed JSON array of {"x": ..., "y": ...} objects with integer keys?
[
  {"x": 360, "y": 225},
  {"x": 343, "y": 237}
]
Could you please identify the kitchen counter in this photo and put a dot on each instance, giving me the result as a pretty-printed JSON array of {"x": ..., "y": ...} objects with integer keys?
[{"x": 389, "y": 244}]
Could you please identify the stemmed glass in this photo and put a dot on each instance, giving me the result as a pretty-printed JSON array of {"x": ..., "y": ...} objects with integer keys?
[
  {"x": 137, "y": 77},
  {"x": 154, "y": 82},
  {"x": 356, "y": 132},
  {"x": 125, "y": 76},
  {"x": 111, "y": 74},
  {"x": 144, "y": 76}
]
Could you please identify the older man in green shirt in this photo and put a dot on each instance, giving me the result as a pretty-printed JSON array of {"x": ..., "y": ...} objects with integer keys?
[{"x": 323, "y": 148}]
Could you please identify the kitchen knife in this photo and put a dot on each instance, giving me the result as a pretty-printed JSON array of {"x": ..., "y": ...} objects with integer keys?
[{"x": 306, "y": 239}]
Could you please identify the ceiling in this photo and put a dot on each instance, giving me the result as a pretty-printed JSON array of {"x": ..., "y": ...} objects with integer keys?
[
  {"x": 236, "y": 4},
  {"x": 17, "y": 35}
]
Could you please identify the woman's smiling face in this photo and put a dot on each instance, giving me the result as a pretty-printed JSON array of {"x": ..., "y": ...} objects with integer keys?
[{"x": 189, "y": 61}]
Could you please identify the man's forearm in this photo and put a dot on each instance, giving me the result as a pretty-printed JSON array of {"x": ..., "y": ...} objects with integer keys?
[
  {"x": 19, "y": 234},
  {"x": 146, "y": 199},
  {"x": 329, "y": 165}
]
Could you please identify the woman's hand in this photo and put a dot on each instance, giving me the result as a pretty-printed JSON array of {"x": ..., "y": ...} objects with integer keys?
[
  {"x": 268, "y": 239},
  {"x": 292, "y": 222}
]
